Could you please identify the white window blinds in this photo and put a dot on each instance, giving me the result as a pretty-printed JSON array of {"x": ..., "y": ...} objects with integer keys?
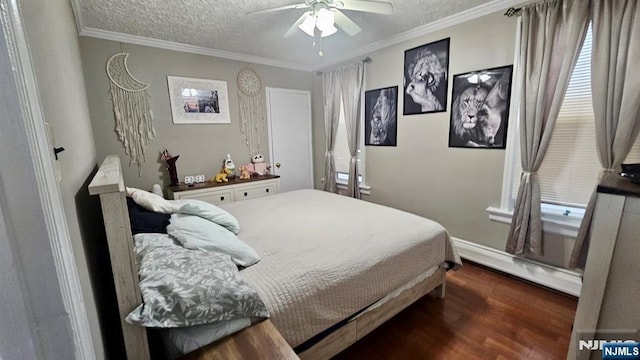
[
  {"x": 341, "y": 152},
  {"x": 570, "y": 168}
]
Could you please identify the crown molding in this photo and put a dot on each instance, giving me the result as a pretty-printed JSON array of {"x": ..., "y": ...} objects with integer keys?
[
  {"x": 467, "y": 15},
  {"x": 455, "y": 19},
  {"x": 193, "y": 49}
]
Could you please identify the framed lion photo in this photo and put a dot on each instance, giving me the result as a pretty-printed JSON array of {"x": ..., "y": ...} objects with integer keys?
[
  {"x": 480, "y": 109},
  {"x": 380, "y": 117},
  {"x": 425, "y": 78}
]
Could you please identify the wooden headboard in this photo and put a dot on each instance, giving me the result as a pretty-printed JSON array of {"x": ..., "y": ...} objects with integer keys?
[{"x": 109, "y": 184}]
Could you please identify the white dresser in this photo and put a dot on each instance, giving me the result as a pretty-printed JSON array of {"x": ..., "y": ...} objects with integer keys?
[{"x": 227, "y": 192}]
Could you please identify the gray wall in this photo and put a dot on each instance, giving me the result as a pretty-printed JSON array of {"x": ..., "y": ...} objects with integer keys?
[
  {"x": 201, "y": 147},
  {"x": 422, "y": 174}
]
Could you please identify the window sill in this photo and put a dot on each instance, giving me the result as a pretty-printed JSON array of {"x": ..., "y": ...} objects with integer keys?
[
  {"x": 364, "y": 189},
  {"x": 560, "y": 225}
]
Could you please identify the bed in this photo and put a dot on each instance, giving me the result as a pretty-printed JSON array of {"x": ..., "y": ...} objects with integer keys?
[{"x": 329, "y": 274}]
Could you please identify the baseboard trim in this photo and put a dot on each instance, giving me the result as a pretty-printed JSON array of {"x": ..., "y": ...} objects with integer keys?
[{"x": 566, "y": 281}]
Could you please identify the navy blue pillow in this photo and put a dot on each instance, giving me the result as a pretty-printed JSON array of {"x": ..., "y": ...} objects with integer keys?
[{"x": 146, "y": 221}]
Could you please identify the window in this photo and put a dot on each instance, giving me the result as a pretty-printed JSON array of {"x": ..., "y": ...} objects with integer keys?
[
  {"x": 342, "y": 155},
  {"x": 569, "y": 172}
]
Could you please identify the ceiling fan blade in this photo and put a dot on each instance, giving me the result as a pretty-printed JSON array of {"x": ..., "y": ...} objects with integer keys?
[
  {"x": 378, "y": 7},
  {"x": 287, "y": 7},
  {"x": 346, "y": 24},
  {"x": 294, "y": 28}
]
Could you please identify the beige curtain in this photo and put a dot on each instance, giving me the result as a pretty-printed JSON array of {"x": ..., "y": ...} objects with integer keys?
[
  {"x": 552, "y": 35},
  {"x": 351, "y": 77},
  {"x": 615, "y": 85},
  {"x": 331, "y": 92}
]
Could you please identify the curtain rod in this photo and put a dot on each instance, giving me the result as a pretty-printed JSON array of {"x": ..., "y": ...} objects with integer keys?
[
  {"x": 365, "y": 60},
  {"x": 512, "y": 12}
]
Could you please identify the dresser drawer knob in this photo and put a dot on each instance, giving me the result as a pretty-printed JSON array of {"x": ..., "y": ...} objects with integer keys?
[
  {"x": 245, "y": 193},
  {"x": 221, "y": 198},
  {"x": 267, "y": 190}
]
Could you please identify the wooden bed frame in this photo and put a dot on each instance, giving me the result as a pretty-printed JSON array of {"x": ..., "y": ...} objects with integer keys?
[{"x": 109, "y": 185}]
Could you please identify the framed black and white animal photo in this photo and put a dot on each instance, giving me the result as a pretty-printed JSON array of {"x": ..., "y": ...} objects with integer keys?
[
  {"x": 425, "y": 78},
  {"x": 480, "y": 109},
  {"x": 380, "y": 120}
]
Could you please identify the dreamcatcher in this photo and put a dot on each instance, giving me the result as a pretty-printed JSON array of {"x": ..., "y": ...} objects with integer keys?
[
  {"x": 252, "y": 104},
  {"x": 134, "y": 119}
]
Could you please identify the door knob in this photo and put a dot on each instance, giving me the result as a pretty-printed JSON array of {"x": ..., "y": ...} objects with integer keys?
[{"x": 278, "y": 165}]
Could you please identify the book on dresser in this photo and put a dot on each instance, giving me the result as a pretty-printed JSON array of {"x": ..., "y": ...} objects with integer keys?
[{"x": 227, "y": 192}]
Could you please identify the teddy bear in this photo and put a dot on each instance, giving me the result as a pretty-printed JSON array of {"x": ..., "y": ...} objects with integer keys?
[{"x": 244, "y": 173}]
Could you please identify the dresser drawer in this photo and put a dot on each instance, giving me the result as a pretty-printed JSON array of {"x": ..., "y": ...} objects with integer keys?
[
  {"x": 223, "y": 193},
  {"x": 253, "y": 192},
  {"x": 213, "y": 197}
]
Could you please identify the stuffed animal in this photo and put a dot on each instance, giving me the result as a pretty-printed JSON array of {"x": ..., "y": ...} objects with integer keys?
[
  {"x": 250, "y": 168},
  {"x": 229, "y": 165},
  {"x": 222, "y": 176},
  {"x": 259, "y": 165},
  {"x": 244, "y": 173}
]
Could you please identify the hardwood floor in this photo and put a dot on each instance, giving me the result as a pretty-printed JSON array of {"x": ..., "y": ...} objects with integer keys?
[{"x": 485, "y": 315}]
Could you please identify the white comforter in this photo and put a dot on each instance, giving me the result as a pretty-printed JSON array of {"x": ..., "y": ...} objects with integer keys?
[{"x": 325, "y": 256}]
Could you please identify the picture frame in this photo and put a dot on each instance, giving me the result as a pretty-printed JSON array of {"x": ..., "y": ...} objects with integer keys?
[
  {"x": 198, "y": 101},
  {"x": 381, "y": 116},
  {"x": 480, "y": 108},
  {"x": 426, "y": 79}
]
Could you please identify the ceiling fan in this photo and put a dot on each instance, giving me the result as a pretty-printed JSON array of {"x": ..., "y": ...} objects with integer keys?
[{"x": 322, "y": 16}]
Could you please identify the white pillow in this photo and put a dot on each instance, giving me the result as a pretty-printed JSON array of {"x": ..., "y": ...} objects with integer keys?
[
  {"x": 157, "y": 189},
  {"x": 151, "y": 201},
  {"x": 210, "y": 212},
  {"x": 194, "y": 232}
]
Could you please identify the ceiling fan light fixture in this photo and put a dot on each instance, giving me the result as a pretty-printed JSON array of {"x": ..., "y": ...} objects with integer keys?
[
  {"x": 325, "y": 20},
  {"x": 308, "y": 25},
  {"x": 332, "y": 30}
]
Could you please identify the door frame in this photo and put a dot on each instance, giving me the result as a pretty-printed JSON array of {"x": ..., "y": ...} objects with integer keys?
[
  {"x": 268, "y": 91},
  {"x": 48, "y": 189}
]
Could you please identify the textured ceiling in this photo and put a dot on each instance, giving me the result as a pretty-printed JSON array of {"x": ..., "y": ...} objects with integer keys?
[{"x": 223, "y": 25}]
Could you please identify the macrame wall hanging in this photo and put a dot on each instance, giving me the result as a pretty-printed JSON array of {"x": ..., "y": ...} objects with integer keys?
[
  {"x": 134, "y": 119},
  {"x": 252, "y": 106}
]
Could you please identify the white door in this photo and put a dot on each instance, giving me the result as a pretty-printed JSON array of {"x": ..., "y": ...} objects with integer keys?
[{"x": 289, "y": 118}]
